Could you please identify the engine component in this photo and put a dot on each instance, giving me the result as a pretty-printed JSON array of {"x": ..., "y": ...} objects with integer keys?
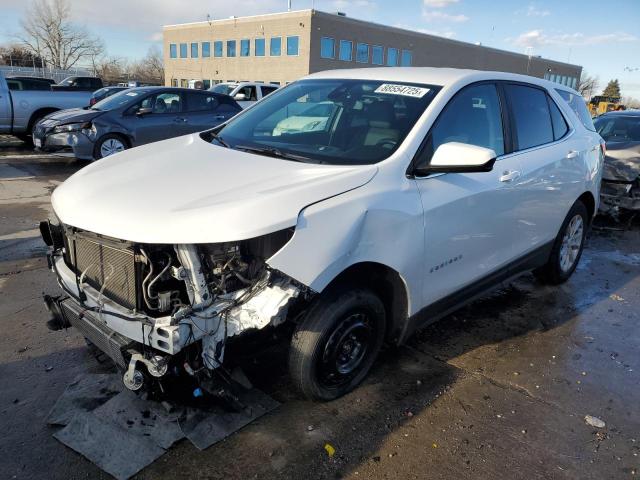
[
  {"x": 195, "y": 281},
  {"x": 133, "y": 379}
]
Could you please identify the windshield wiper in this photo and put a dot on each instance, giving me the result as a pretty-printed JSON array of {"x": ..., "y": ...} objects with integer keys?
[
  {"x": 273, "y": 152},
  {"x": 219, "y": 139}
]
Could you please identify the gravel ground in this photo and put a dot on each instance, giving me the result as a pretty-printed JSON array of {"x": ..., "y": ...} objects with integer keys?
[{"x": 498, "y": 390}]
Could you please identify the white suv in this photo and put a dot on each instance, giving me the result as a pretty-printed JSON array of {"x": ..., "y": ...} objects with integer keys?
[{"x": 423, "y": 189}]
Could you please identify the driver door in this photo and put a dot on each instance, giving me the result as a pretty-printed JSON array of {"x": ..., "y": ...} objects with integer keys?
[
  {"x": 164, "y": 121},
  {"x": 469, "y": 218}
]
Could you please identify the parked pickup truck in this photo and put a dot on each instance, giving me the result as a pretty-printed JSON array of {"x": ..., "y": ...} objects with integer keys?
[{"x": 20, "y": 110}]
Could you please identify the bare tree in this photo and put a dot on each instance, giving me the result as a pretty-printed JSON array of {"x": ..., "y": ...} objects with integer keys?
[
  {"x": 18, "y": 56},
  {"x": 630, "y": 102},
  {"x": 110, "y": 69},
  {"x": 588, "y": 85},
  {"x": 150, "y": 69},
  {"x": 48, "y": 32}
]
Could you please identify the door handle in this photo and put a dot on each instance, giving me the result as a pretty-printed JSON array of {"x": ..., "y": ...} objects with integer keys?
[
  {"x": 179, "y": 120},
  {"x": 509, "y": 175},
  {"x": 219, "y": 117},
  {"x": 573, "y": 154}
]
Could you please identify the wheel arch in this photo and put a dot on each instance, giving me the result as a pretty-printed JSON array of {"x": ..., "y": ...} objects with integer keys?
[
  {"x": 388, "y": 285},
  {"x": 589, "y": 201},
  {"x": 39, "y": 113}
]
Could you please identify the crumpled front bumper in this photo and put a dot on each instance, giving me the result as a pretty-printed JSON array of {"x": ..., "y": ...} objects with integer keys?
[
  {"x": 619, "y": 195},
  {"x": 81, "y": 145}
]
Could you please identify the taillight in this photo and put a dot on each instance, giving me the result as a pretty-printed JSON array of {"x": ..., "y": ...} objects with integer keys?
[{"x": 92, "y": 101}]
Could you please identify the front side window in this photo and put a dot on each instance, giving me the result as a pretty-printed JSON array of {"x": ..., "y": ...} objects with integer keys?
[
  {"x": 346, "y": 50},
  {"x": 249, "y": 92},
  {"x": 183, "y": 50},
  {"x": 531, "y": 116},
  {"x": 619, "y": 128},
  {"x": 173, "y": 51},
  {"x": 578, "y": 105},
  {"x": 292, "y": 45},
  {"x": 377, "y": 55},
  {"x": 259, "y": 47},
  {"x": 231, "y": 48},
  {"x": 245, "y": 48},
  {"x": 473, "y": 117},
  {"x": 332, "y": 121},
  {"x": 327, "y": 47},
  {"x": 392, "y": 57},
  {"x": 406, "y": 59},
  {"x": 362, "y": 53},
  {"x": 159, "y": 103},
  {"x": 217, "y": 49},
  {"x": 194, "y": 50},
  {"x": 275, "y": 47},
  {"x": 206, "y": 49}
]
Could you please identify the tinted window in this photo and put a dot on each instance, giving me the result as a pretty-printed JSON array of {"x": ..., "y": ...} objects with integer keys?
[
  {"x": 560, "y": 127},
  {"x": 473, "y": 116},
  {"x": 194, "y": 50},
  {"x": 259, "y": 47},
  {"x": 201, "y": 103},
  {"x": 275, "y": 46},
  {"x": 346, "y": 48},
  {"x": 231, "y": 48},
  {"x": 267, "y": 90},
  {"x": 173, "y": 51},
  {"x": 619, "y": 128},
  {"x": 377, "y": 55},
  {"x": 183, "y": 50},
  {"x": 406, "y": 59},
  {"x": 327, "y": 47},
  {"x": 531, "y": 116},
  {"x": 577, "y": 104},
  {"x": 292, "y": 45},
  {"x": 392, "y": 57},
  {"x": 164, "y": 102},
  {"x": 362, "y": 53},
  {"x": 245, "y": 48},
  {"x": 224, "y": 88},
  {"x": 217, "y": 49},
  {"x": 206, "y": 49}
]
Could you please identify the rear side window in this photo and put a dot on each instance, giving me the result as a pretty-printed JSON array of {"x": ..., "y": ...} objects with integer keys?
[
  {"x": 197, "y": 102},
  {"x": 531, "y": 116},
  {"x": 560, "y": 127},
  {"x": 577, "y": 104}
]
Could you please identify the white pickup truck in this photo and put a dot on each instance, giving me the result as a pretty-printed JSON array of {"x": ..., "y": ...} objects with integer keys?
[{"x": 20, "y": 110}]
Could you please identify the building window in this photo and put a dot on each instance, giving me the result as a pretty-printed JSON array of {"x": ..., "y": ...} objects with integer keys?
[
  {"x": 184, "y": 83},
  {"x": 206, "y": 84},
  {"x": 362, "y": 53},
  {"x": 275, "y": 48},
  {"x": 245, "y": 48},
  {"x": 206, "y": 49},
  {"x": 259, "y": 47},
  {"x": 217, "y": 49},
  {"x": 327, "y": 47},
  {"x": 183, "y": 50},
  {"x": 346, "y": 50},
  {"x": 173, "y": 51},
  {"x": 392, "y": 57},
  {"x": 292, "y": 45},
  {"x": 377, "y": 55},
  {"x": 174, "y": 82},
  {"x": 231, "y": 48},
  {"x": 405, "y": 61},
  {"x": 194, "y": 50}
]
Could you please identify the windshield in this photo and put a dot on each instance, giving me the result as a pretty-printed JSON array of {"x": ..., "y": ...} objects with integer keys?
[
  {"x": 619, "y": 128},
  {"x": 67, "y": 81},
  {"x": 332, "y": 121},
  {"x": 223, "y": 88},
  {"x": 120, "y": 99}
]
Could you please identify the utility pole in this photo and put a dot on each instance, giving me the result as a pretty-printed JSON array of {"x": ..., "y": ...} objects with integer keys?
[{"x": 288, "y": 5}]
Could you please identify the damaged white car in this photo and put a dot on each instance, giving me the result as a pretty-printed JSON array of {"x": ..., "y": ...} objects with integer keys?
[{"x": 423, "y": 189}]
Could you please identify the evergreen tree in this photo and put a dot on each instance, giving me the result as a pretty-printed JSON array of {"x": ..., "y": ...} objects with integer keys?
[{"x": 613, "y": 89}]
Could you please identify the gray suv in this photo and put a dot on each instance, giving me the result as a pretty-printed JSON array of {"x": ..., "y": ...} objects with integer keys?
[{"x": 130, "y": 118}]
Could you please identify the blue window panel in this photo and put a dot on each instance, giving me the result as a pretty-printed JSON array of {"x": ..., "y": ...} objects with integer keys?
[
  {"x": 392, "y": 57},
  {"x": 206, "y": 49},
  {"x": 346, "y": 50},
  {"x": 362, "y": 53},
  {"x": 217, "y": 49},
  {"x": 275, "y": 47},
  {"x": 327, "y": 47},
  {"x": 173, "y": 51},
  {"x": 406, "y": 59},
  {"x": 293, "y": 43},
  {"x": 245, "y": 48},
  {"x": 259, "y": 47},
  {"x": 183, "y": 50},
  {"x": 194, "y": 50},
  {"x": 231, "y": 48},
  {"x": 377, "y": 55}
]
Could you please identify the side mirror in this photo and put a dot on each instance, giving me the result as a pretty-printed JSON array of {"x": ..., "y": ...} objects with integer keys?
[
  {"x": 455, "y": 157},
  {"x": 144, "y": 111},
  {"x": 240, "y": 96}
]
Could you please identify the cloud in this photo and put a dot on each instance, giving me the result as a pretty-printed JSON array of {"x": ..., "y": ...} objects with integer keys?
[
  {"x": 533, "y": 11},
  {"x": 438, "y": 3},
  {"x": 443, "y": 17},
  {"x": 537, "y": 38},
  {"x": 437, "y": 33}
]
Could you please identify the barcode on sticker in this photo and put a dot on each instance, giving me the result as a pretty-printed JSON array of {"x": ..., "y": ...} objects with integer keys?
[{"x": 406, "y": 90}]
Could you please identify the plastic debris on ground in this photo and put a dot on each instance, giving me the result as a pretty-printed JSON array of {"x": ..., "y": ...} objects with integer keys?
[{"x": 594, "y": 421}]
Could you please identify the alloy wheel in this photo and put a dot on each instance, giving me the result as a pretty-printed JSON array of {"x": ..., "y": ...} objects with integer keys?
[{"x": 571, "y": 243}]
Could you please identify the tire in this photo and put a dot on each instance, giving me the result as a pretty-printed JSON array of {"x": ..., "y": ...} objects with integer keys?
[
  {"x": 107, "y": 143},
  {"x": 335, "y": 345},
  {"x": 567, "y": 247}
]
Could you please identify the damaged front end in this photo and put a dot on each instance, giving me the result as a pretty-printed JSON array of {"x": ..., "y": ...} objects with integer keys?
[
  {"x": 620, "y": 188},
  {"x": 166, "y": 311}
]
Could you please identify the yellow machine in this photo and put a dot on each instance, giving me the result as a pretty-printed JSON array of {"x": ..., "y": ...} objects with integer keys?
[{"x": 601, "y": 104}]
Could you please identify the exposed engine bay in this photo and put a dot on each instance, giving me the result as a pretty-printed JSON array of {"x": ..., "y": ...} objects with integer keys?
[{"x": 163, "y": 311}]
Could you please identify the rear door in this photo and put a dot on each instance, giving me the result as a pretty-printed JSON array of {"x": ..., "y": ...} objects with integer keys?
[
  {"x": 552, "y": 155},
  {"x": 206, "y": 110},
  {"x": 164, "y": 121}
]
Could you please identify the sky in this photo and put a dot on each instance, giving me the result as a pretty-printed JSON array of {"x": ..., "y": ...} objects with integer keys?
[{"x": 603, "y": 37}]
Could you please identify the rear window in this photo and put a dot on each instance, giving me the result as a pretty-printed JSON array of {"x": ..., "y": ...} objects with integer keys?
[
  {"x": 531, "y": 116},
  {"x": 577, "y": 104},
  {"x": 619, "y": 128}
]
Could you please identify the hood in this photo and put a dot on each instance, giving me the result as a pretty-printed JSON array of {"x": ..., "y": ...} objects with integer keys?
[
  {"x": 622, "y": 162},
  {"x": 185, "y": 190},
  {"x": 72, "y": 115}
]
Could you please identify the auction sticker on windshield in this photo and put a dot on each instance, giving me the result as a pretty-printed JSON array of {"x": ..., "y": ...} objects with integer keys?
[{"x": 406, "y": 90}]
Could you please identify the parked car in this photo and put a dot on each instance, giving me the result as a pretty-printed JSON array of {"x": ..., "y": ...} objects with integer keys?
[
  {"x": 20, "y": 110},
  {"x": 103, "y": 93},
  {"x": 79, "y": 83},
  {"x": 50, "y": 81},
  {"x": 430, "y": 187},
  {"x": 245, "y": 93},
  {"x": 130, "y": 118},
  {"x": 621, "y": 174},
  {"x": 28, "y": 83}
]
